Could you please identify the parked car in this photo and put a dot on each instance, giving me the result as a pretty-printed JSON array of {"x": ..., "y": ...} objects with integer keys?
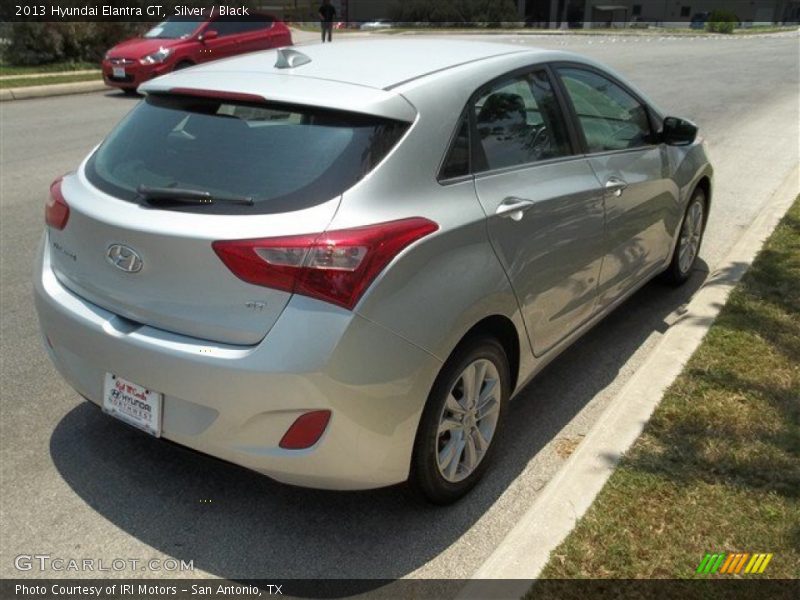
[
  {"x": 337, "y": 266},
  {"x": 699, "y": 20},
  {"x": 375, "y": 25},
  {"x": 183, "y": 42}
]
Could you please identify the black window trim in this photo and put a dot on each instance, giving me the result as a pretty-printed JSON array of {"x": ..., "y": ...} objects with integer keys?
[{"x": 573, "y": 116}]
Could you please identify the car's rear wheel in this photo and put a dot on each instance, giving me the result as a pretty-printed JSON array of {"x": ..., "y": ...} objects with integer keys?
[
  {"x": 690, "y": 238},
  {"x": 461, "y": 421}
]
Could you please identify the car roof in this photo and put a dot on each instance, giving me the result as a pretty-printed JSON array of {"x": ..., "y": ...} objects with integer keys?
[{"x": 380, "y": 64}]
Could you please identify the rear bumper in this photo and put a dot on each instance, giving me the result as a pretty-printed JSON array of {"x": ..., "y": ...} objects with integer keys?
[{"x": 236, "y": 402}]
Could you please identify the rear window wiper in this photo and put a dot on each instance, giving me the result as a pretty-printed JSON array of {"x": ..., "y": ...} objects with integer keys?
[{"x": 167, "y": 195}]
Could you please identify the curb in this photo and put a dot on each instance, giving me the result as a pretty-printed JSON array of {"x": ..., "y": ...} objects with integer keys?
[
  {"x": 98, "y": 72},
  {"x": 554, "y": 513},
  {"x": 53, "y": 89}
]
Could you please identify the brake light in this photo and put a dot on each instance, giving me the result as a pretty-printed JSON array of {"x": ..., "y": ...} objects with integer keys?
[
  {"x": 306, "y": 430},
  {"x": 334, "y": 266},
  {"x": 56, "y": 211},
  {"x": 218, "y": 95}
]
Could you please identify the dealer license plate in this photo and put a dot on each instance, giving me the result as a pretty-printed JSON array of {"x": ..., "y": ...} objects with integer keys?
[{"x": 133, "y": 404}]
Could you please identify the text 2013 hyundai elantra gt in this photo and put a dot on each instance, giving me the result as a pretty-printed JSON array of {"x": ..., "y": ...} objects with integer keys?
[{"x": 337, "y": 266}]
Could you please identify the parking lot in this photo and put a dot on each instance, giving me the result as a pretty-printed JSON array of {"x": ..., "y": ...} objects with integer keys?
[{"x": 75, "y": 483}]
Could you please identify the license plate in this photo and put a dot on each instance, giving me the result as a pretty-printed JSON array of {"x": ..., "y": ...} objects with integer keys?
[
  {"x": 133, "y": 404},
  {"x": 118, "y": 71}
]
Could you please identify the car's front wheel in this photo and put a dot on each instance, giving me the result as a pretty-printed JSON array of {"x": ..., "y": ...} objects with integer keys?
[
  {"x": 690, "y": 237},
  {"x": 461, "y": 421}
]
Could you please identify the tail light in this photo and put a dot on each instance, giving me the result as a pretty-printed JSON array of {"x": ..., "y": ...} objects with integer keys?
[
  {"x": 306, "y": 430},
  {"x": 335, "y": 266},
  {"x": 56, "y": 211}
]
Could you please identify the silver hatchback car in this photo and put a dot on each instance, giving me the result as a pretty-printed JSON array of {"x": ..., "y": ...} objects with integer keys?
[{"x": 336, "y": 266}]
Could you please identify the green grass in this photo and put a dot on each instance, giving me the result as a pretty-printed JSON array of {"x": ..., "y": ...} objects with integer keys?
[
  {"x": 6, "y": 69},
  {"x": 717, "y": 468},
  {"x": 763, "y": 29},
  {"x": 27, "y": 81}
]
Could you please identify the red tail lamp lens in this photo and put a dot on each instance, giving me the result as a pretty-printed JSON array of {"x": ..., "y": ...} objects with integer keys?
[
  {"x": 56, "y": 211},
  {"x": 335, "y": 266},
  {"x": 306, "y": 430}
]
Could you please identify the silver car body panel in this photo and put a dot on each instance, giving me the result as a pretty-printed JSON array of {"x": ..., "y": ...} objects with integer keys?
[{"x": 234, "y": 382}]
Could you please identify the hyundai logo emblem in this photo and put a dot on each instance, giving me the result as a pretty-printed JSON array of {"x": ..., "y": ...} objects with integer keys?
[{"x": 124, "y": 258}]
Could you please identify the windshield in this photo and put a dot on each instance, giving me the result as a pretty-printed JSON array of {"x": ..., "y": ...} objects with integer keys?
[
  {"x": 174, "y": 28},
  {"x": 283, "y": 157}
]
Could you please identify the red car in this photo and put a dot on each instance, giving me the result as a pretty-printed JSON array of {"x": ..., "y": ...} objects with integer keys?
[{"x": 181, "y": 42}]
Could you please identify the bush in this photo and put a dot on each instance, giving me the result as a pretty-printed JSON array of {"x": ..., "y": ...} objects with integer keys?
[
  {"x": 721, "y": 21},
  {"x": 33, "y": 44}
]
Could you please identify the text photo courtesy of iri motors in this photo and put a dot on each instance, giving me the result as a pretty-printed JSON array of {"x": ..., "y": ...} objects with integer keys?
[{"x": 509, "y": 290}]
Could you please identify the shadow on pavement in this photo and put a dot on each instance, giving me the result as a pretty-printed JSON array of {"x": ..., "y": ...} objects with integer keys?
[
  {"x": 116, "y": 94},
  {"x": 237, "y": 524}
]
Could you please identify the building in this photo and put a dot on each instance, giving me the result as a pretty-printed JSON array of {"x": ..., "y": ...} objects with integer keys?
[
  {"x": 587, "y": 13},
  {"x": 673, "y": 13}
]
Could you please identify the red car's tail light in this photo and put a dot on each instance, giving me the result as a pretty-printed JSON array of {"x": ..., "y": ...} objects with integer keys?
[
  {"x": 56, "y": 211},
  {"x": 306, "y": 430},
  {"x": 335, "y": 266}
]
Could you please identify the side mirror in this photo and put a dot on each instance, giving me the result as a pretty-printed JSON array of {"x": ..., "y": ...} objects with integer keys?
[
  {"x": 678, "y": 132},
  {"x": 208, "y": 34}
]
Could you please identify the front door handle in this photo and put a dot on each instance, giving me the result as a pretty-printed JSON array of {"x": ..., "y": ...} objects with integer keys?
[
  {"x": 615, "y": 186},
  {"x": 513, "y": 208}
]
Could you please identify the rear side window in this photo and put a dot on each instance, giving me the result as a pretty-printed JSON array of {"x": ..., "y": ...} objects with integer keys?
[
  {"x": 518, "y": 122},
  {"x": 285, "y": 157},
  {"x": 234, "y": 25},
  {"x": 457, "y": 162}
]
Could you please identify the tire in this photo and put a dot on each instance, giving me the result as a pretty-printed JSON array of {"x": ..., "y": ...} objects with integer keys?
[
  {"x": 184, "y": 64},
  {"x": 434, "y": 477},
  {"x": 130, "y": 91},
  {"x": 693, "y": 226}
]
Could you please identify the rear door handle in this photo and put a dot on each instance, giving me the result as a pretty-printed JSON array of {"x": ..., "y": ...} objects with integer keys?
[
  {"x": 615, "y": 186},
  {"x": 513, "y": 208}
]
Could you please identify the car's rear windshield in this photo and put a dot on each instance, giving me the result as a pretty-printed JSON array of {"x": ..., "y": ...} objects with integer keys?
[{"x": 283, "y": 157}]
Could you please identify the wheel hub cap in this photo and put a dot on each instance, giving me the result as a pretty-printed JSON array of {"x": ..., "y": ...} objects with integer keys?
[{"x": 468, "y": 420}]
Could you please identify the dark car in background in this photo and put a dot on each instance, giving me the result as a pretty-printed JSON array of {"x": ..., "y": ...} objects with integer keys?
[
  {"x": 699, "y": 20},
  {"x": 182, "y": 42}
]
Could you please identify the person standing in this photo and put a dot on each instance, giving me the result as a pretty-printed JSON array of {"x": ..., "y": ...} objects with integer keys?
[{"x": 327, "y": 12}]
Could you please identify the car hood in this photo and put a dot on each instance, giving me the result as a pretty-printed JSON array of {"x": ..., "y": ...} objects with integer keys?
[{"x": 141, "y": 47}]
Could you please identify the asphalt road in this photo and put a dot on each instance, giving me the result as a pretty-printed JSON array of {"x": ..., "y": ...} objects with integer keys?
[{"x": 76, "y": 484}]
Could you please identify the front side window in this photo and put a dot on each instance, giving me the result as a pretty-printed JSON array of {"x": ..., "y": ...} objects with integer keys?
[
  {"x": 283, "y": 157},
  {"x": 610, "y": 117},
  {"x": 518, "y": 121}
]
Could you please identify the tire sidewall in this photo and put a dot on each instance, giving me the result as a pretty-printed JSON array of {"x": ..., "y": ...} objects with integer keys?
[
  {"x": 425, "y": 477},
  {"x": 674, "y": 273}
]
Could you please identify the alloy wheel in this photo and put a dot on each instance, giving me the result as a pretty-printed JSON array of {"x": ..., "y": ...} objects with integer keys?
[
  {"x": 468, "y": 420},
  {"x": 691, "y": 234}
]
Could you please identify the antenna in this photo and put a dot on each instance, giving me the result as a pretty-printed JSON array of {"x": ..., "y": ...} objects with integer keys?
[{"x": 288, "y": 59}]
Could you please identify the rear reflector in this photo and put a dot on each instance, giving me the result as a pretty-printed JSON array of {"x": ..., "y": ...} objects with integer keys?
[
  {"x": 306, "y": 430},
  {"x": 335, "y": 266},
  {"x": 56, "y": 211}
]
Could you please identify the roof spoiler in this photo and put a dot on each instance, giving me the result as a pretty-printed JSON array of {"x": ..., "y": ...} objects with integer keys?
[{"x": 288, "y": 59}]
